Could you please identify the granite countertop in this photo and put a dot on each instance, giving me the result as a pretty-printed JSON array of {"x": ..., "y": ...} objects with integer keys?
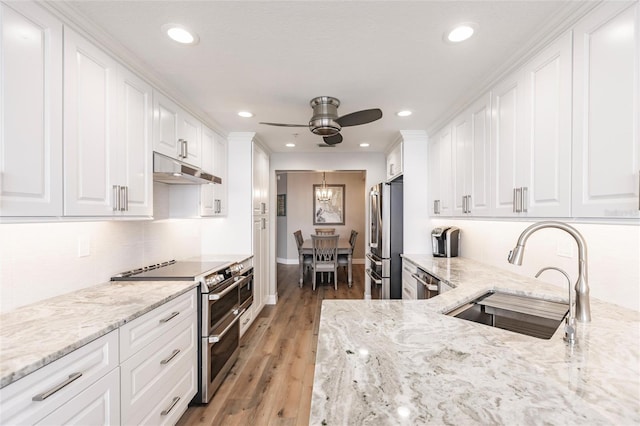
[
  {"x": 391, "y": 362},
  {"x": 38, "y": 334}
]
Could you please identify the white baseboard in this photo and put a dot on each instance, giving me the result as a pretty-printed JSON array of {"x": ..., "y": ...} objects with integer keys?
[{"x": 272, "y": 299}]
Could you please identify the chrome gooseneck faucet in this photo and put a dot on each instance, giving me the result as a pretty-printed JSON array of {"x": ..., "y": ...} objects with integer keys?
[{"x": 583, "y": 309}]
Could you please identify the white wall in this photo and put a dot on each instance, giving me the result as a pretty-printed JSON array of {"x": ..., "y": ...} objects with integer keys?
[
  {"x": 40, "y": 260},
  {"x": 415, "y": 225},
  {"x": 613, "y": 254}
]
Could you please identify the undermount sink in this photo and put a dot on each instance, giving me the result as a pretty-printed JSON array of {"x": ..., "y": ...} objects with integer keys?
[{"x": 519, "y": 314}]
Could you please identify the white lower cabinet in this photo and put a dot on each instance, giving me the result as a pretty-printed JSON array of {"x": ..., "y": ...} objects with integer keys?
[
  {"x": 409, "y": 289},
  {"x": 51, "y": 390},
  {"x": 99, "y": 404},
  {"x": 158, "y": 364}
]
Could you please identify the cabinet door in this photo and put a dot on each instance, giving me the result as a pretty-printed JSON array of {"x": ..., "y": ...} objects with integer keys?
[
  {"x": 606, "y": 118},
  {"x": 165, "y": 126},
  {"x": 190, "y": 130},
  {"x": 134, "y": 143},
  {"x": 260, "y": 181},
  {"x": 220, "y": 170},
  {"x": 89, "y": 128},
  {"x": 506, "y": 137},
  {"x": 258, "y": 265},
  {"x": 207, "y": 195},
  {"x": 99, "y": 404},
  {"x": 461, "y": 163},
  {"x": 440, "y": 173},
  {"x": 30, "y": 112},
  {"x": 394, "y": 162},
  {"x": 479, "y": 179},
  {"x": 544, "y": 170}
]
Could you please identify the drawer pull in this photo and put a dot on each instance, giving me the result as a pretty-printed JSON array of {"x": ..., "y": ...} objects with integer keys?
[
  {"x": 44, "y": 395},
  {"x": 170, "y": 407},
  {"x": 170, "y": 357},
  {"x": 170, "y": 317}
]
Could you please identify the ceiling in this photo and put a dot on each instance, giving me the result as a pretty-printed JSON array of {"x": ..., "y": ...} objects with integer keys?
[{"x": 272, "y": 57}]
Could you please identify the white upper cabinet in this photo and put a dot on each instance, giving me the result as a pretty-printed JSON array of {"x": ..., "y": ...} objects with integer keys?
[
  {"x": 213, "y": 200},
  {"x": 394, "y": 162},
  {"x": 471, "y": 159},
  {"x": 177, "y": 134},
  {"x": 30, "y": 111},
  {"x": 506, "y": 132},
  {"x": 260, "y": 181},
  {"x": 440, "y": 173},
  {"x": 134, "y": 134},
  {"x": 89, "y": 129},
  {"x": 606, "y": 118},
  {"x": 544, "y": 170},
  {"x": 107, "y": 128},
  {"x": 531, "y": 136}
]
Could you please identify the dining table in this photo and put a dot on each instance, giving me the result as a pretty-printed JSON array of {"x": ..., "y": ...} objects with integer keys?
[{"x": 344, "y": 247}]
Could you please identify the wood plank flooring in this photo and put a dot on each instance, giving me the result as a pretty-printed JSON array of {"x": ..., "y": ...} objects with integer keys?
[{"x": 271, "y": 382}]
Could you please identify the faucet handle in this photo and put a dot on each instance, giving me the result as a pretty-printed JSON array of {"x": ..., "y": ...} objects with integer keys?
[{"x": 510, "y": 256}]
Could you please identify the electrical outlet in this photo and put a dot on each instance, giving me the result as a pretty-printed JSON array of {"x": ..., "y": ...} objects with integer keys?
[
  {"x": 84, "y": 246},
  {"x": 565, "y": 247}
]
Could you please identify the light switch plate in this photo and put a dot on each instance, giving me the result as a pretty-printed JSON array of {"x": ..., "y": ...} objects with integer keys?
[{"x": 84, "y": 246}]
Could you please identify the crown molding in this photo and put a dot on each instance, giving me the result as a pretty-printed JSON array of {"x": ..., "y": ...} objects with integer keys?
[
  {"x": 73, "y": 18},
  {"x": 554, "y": 28}
]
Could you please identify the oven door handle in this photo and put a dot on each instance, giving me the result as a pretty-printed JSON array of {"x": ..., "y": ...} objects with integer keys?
[
  {"x": 217, "y": 337},
  {"x": 218, "y": 296},
  {"x": 373, "y": 259},
  {"x": 241, "y": 279}
]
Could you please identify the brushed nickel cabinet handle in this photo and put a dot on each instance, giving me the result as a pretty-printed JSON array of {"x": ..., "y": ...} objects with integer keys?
[
  {"x": 170, "y": 407},
  {"x": 515, "y": 200},
  {"x": 116, "y": 197},
  {"x": 525, "y": 202},
  {"x": 44, "y": 395},
  {"x": 169, "y": 318},
  {"x": 170, "y": 357}
]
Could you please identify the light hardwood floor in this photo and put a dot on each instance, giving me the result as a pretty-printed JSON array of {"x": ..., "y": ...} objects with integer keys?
[{"x": 271, "y": 382}]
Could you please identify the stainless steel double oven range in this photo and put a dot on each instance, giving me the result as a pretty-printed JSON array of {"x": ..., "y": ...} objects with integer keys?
[{"x": 226, "y": 292}]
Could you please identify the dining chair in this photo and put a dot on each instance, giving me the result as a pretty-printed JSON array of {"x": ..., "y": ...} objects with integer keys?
[
  {"x": 343, "y": 259},
  {"x": 307, "y": 259},
  {"x": 325, "y": 256},
  {"x": 325, "y": 231}
]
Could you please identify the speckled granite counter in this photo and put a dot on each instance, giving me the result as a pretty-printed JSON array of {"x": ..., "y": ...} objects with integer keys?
[
  {"x": 36, "y": 335},
  {"x": 403, "y": 362}
]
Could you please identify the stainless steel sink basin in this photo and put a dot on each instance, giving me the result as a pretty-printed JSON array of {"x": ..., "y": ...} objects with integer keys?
[{"x": 520, "y": 314}]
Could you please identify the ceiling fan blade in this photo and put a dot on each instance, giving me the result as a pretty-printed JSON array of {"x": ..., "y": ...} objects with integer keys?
[
  {"x": 359, "y": 117},
  {"x": 285, "y": 125},
  {"x": 334, "y": 139}
]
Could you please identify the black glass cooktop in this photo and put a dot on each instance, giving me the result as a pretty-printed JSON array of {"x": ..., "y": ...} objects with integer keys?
[{"x": 172, "y": 271}]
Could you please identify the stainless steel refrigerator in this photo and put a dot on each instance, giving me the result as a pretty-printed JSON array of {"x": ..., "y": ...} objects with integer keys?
[{"x": 384, "y": 264}]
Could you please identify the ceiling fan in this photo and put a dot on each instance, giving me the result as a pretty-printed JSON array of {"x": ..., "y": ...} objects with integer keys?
[{"x": 326, "y": 122}]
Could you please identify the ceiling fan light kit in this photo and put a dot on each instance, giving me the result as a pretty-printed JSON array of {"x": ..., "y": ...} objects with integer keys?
[{"x": 326, "y": 122}]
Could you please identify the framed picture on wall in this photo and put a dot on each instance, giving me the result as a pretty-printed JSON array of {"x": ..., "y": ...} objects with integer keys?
[
  {"x": 329, "y": 211},
  {"x": 282, "y": 204}
]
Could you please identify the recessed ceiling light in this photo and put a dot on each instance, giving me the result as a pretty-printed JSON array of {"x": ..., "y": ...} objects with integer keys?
[
  {"x": 180, "y": 34},
  {"x": 404, "y": 113},
  {"x": 245, "y": 114},
  {"x": 460, "y": 32},
  {"x": 364, "y": 145},
  {"x": 290, "y": 145}
]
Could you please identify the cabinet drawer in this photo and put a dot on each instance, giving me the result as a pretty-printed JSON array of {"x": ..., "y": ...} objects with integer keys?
[
  {"x": 143, "y": 330},
  {"x": 144, "y": 374},
  {"x": 76, "y": 371},
  {"x": 99, "y": 404},
  {"x": 165, "y": 402}
]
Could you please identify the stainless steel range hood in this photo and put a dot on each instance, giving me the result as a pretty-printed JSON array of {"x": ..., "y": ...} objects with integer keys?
[{"x": 173, "y": 172}]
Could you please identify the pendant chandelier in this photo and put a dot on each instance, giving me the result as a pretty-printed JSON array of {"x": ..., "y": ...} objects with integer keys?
[{"x": 323, "y": 193}]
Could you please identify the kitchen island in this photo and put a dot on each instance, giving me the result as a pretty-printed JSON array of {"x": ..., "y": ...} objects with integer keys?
[{"x": 404, "y": 362}]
